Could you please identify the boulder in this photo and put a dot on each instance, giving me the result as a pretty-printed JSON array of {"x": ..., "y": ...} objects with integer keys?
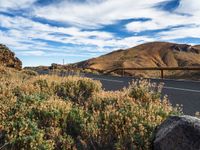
[{"x": 178, "y": 133}]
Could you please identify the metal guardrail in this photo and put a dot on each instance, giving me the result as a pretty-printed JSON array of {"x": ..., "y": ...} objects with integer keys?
[{"x": 161, "y": 69}]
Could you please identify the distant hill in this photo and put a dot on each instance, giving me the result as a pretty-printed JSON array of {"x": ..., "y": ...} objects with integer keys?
[
  {"x": 154, "y": 54},
  {"x": 8, "y": 59}
]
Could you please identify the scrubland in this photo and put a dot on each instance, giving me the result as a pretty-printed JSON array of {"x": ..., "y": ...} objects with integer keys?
[{"x": 51, "y": 112}]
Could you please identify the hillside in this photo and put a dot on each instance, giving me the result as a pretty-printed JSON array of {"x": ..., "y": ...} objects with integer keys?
[
  {"x": 8, "y": 59},
  {"x": 154, "y": 54}
]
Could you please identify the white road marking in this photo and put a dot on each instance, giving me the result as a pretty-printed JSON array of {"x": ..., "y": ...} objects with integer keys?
[
  {"x": 176, "y": 80},
  {"x": 181, "y": 89},
  {"x": 109, "y": 80}
]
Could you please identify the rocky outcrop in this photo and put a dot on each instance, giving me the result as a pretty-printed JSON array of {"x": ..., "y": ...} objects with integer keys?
[
  {"x": 178, "y": 133},
  {"x": 8, "y": 59}
]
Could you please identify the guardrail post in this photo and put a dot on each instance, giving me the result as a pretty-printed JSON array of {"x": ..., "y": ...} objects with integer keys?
[{"x": 162, "y": 74}]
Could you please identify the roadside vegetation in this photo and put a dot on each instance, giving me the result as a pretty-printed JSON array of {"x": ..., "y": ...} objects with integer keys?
[{"x": 50, "y": 112}]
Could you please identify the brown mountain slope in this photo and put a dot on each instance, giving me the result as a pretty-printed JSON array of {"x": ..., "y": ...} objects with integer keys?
[
  {"x": 8, "y": 59},
  {"x": 154, "y": 54}
]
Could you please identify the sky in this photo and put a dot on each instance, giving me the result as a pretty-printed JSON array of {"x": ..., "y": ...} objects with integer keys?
[{"x": 41, "y": 32}]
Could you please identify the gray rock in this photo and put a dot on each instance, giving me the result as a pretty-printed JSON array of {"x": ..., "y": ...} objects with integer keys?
[{"x": 178, "y": 133}]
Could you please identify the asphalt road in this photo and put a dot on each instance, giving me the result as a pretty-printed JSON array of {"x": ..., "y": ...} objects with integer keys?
[{"x": 179, "y": 92}]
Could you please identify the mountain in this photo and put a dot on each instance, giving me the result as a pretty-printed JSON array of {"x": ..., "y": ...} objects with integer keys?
[
  {"x": 154, "y": 54},
  {"x": 8, "y": 59}
]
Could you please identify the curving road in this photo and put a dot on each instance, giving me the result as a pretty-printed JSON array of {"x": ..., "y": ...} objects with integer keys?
[{"x": 179, "y": 92}]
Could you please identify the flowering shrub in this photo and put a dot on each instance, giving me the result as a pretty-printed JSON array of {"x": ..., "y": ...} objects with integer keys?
[
  {"x": 51, "y": 112},
  {"x": 121, "y": 122},
  {"x": 77, "y": 90}
]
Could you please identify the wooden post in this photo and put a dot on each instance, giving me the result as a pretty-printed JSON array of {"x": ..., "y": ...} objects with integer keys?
[
  {"x": 123, "y": 72},
  {"x": 162, "y": 74}
]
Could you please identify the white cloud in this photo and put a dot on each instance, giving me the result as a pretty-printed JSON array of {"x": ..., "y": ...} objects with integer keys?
[
  {"x": 178, "y": 33},
  {"x": 185, "y": 19},
  {"x": 23, "y": 30},
  {"x": 190, "y": 13},
  {"x": 142, "y": 26},
  {"x": 91, "y": 14},
  {"x": 15, "y": 4},
  {"x": 22, "y": 23},
  {"x": 164, "y": 20},
  {"x": 189, "y": 7},
  {"x": 32, "y": 53},
  {"x": 94, "y": 15},
  {"x": 161, "y": 21}
]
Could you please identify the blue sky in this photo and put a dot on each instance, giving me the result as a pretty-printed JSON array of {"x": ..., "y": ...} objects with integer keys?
[{"x": 42, "y": 32}]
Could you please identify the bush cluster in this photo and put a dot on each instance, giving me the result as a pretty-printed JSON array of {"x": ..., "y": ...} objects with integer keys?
[
  {"x": 51, "y": 112},
  {"x": 30, "y": 72}
]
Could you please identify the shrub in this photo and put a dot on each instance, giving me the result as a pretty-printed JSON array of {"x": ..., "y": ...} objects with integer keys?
[
  {"x": 30, "y": 72},
  {"x": 37, "y": 124},
  {"x": 75, "y": 122},
  {"x": 121, "y": 122},
  {"x": 43, "y": 86},
  {"x": 21, "y": 131},
  {"x": 145, "y": 90},
  {"x": 77, "y": 90},
  {"x": 50, "y": 112},
  {"x": 24, "y": 133}
]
